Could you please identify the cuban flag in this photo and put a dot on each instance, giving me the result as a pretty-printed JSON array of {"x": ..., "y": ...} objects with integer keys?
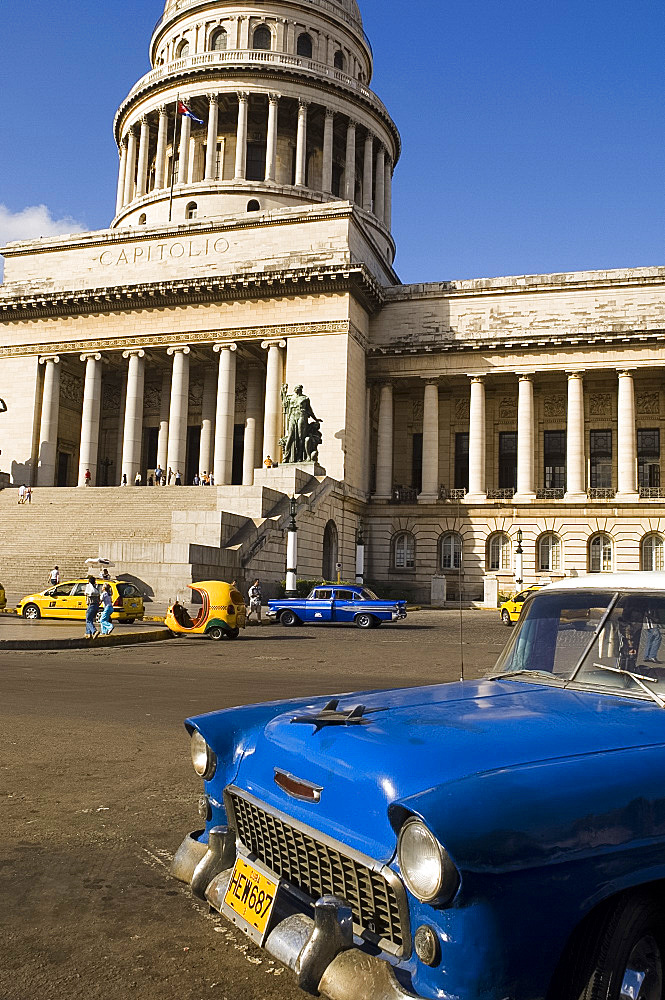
[{"x": 184, "y": 110}]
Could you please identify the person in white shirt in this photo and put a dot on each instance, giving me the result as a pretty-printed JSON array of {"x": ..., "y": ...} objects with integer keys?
[
  {"x": 92, "y": 600},
  {"x": 55, "y": 576}
]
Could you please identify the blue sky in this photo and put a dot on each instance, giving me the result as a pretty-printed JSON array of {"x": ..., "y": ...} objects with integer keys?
[{"x": 532, "y": 130}]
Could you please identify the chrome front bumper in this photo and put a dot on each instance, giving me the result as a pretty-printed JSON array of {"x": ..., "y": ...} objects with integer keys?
[{"x": 319, "y": 951}]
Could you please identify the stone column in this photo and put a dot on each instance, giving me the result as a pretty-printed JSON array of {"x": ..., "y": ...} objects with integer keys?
[
  {"x": 575, "y": 457},
  {"x": 120, "y": 197},
  {"x": 92, "y": 399},
  {"x": 430, "y": 484},
  {"x": 241, "y": 137},
  {"x": 388, "y": 195},
  {"x": 350, "y": 170},
  {"x": 368, "y": 172},
  {"x": 183, "y": 153},
  {"x": 252, "y": 417},
  {"x": 130, "y": 167},
  {"x": 327, "y": 169},
  {"x": 206, "y": 451},
  {"x": 132, "y": 439},
  {"x": 301, "y": 143},
  {"x": 367, "y": 450},
  {"x": 525, "y": 440},
  {"x": 160, "y": 156},
  {"x": 48, "y": 428},
  {"x": 271, "y": 140},
  {"x": 384, "y": 445},
  {"x": 117, "y": 471},
  {"x": 225, "y": 415},
  {"x": 164, "y": 407},
  {"x": 211, "y": 149},
  {"x": 477, "y": 440},
  {"x": 272, "y": 420},
  {"x": 626, "y": 438},
  {"x": 380, "y": 193},
  {"x": 178, "y": 410},
  {"x": 144, "y": 142}
]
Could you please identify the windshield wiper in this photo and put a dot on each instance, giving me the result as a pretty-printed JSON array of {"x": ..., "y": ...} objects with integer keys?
[
  {"x": 525, "y": 670},
  {"x": 638, "y": 678}
]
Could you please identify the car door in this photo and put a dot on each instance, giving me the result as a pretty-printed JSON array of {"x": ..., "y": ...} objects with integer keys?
[
  {"x": 56, "y": 601},
  {"x": 318, "y": 607},
  {"x": 343, "y": 610},
  {"x": 77, "y": 603}
]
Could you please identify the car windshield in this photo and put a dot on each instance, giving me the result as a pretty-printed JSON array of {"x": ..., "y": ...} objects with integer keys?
[{"x": 606, "y": 640}]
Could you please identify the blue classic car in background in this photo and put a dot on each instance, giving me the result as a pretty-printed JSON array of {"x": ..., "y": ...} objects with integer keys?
[
  {"x": 501, "y": 839},
  {"x": 334, "y": 603}
]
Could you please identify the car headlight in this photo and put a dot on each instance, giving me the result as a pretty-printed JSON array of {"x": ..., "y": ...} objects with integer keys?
[
  {"x": 203, "y": 758},
  {"x": 426, "y": 867}
]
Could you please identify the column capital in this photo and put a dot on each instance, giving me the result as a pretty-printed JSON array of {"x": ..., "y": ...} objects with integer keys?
[
  {"x": 55, "y": 358},
  {"x": 477, "y": 377},
  {"x": 330, "y": 113},
  {"x": 213, "y": 98},
  {"x": 163, "y": 110},
  {"x": 274, "y": 98},
  {"x": 526, "y": 376},
  {"x": 369, "y": 136},
  {"x": 303, "y": 104},
  {"x": 625, "y": 370},
  {"x": 175, "y": 348},
  {"x": 265, "y": 344},
  {"x": 90, "y": 356},
  {"x": 134, "y": 351},
  {"x": 123, "y": 144},
  {"x": 224, "y": 345},
  {"x": 242, "y": 95},
  {"x": 431, "y": 380},
  {"x": 575, "y": 372},
  {"x": 352, "y": 125},
  {"x": 145, "y": 121},
  {"x": 131, "y": 131}
]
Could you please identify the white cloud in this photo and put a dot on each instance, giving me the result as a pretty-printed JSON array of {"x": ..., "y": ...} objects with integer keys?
[{"x": 35, "y": 220}]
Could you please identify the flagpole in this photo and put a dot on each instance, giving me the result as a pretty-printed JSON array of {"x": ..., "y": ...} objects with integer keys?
[{"x": 175, "y": 132}]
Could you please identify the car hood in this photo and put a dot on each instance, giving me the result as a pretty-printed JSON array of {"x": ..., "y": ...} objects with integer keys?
[{"x": 422, "y": 741}]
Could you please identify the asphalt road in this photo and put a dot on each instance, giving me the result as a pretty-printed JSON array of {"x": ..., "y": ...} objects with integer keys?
[{"x": 97, "y": 791}]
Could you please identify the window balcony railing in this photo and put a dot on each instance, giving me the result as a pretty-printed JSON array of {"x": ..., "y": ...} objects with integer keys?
[
  {"x": 445, "y": 493},
  {"x": 652, "y": 492},
  {"x": 601, "y": 493},
  {"x": 404, "y": 494},
  {"x": 505, "y": 493},
  {"x": 553, "y": 493}
]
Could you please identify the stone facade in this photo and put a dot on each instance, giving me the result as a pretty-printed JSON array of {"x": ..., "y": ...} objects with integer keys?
[{"x": 254, "y": 249}]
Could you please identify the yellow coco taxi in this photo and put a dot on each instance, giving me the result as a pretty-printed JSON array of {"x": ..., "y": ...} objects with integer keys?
[
  {"x": 221, "y": 615},
  {"x": 510, "y": 609},
  {"x": 67, "y": 600},
  {"x": 3, "y": 598}
]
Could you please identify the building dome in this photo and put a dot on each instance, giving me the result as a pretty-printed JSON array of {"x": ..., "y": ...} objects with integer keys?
[{"x": 254, "y": 106}]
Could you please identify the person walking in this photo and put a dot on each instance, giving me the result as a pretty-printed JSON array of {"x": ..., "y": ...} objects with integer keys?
[
  {"x": 137, "y": 479},
  {"x": 107, "y": 609},
  {"x": 254, "y": 595},
  {"x": 124, "y": 479},
  {"x": 178, "y": 478},
  {"x": 87, "y": 477},
  {"x": 169, "y": 476},
  {"x": 158, "y": 476},
  {"x": 28, "y": 494},
  {"x": 196, "y": 480},
  {"x": 21, "y": 493},
  {"x": 54, "y": 577},
  {"x": 92, "y": 601}
]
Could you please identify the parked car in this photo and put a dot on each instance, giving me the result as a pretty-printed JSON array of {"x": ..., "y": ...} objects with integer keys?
[
  {"x": 67, "y": 600},
  {"x": 333, "y": 603},
  {"x": 511, "y": 609},
  {"x": 221, "y": 615},
  {"x": 499, "y": 838},
  {"x": 3, "y": 598}
]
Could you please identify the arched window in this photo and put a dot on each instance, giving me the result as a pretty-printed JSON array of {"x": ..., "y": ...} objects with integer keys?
[
  {"x": 404, "y": 551},
  {"x": 192, "y": 210},
  {"x": 600, "y": 554},
  {"x": 450, "y": 550},
  {"x": 339, "y": 61},
  {"x": 262, "y": 39},
  {"x": 498, "y": 551},
  {"x": 330, "y": 551},
  {"x": 218, "y": 40},
  {"x": 652, "y": 552},
  {"x": 253, "y": 205},
  {"x": 142, "y": 219},
  {"x": 183, "y": 49},
  {"x": 304, "y": 45},
  {"x": 549, "y": 552}
]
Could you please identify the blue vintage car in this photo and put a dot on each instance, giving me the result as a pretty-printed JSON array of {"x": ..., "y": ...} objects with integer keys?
[
  {"x": 333, "y": 603},
  {"x": 501, "y": 839}
]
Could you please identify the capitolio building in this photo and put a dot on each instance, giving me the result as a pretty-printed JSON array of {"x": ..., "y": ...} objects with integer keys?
[{"x": 241, "y": 309}]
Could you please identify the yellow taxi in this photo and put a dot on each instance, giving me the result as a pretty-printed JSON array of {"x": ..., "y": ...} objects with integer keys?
[
  {"x": 3, "y": 598},
  {"x": 510, "y": 609},
  {"x": 67, "y": 600}
]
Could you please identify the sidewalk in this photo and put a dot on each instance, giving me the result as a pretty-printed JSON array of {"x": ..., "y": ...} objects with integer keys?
[{"x": 15, "y": 633}]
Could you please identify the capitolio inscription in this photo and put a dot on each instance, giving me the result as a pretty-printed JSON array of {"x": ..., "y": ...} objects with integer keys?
[{"x": 143, "y": 253}]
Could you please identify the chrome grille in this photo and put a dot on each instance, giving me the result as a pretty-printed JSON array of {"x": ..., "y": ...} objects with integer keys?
[{"x": 320, "y": 869}]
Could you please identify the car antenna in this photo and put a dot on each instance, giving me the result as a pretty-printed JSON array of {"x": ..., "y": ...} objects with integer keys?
[{"x": 459, "y": 591}]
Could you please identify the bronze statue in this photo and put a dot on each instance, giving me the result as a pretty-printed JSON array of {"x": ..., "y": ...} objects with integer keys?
[{"x": 302, "y": 435}]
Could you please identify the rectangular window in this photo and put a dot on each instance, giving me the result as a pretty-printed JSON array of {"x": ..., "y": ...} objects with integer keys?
[
  {"x": 648, "y": 457},
  {"x": 554, "y": 449},
  {"x": 507, "y": 460},
  {"x": 462, "y": 461},
  {"x": 600, "y": 459},
  {"x": 417, "y": 462},
  {"x": 219, "y": 162},
  {"x": 256, "y": 161}
]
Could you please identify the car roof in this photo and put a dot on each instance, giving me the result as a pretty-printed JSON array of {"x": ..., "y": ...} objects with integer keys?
[{"x": 636, "y": 580}]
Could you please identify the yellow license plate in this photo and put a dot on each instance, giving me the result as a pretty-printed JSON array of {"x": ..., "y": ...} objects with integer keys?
[{"x": 251, "y": 895}]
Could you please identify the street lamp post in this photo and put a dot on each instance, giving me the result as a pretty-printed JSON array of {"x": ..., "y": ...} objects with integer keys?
[
  {"x": 360, "y": 556},
  {"x": 292, "y": 551},
  {"x": 519, "y": 561}
]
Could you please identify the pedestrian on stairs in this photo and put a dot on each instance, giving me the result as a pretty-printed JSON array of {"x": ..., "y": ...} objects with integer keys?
[
  {"x": 54, "y": 578},
  {"x": 21, "y": 493},
  {"x": 178, "y": 478},
  {"x": 158, "y": 476},
  {"x": 169, "y": 477},
  {"x": 28, "y": 494},
  {"x": 87, "y": 477}
]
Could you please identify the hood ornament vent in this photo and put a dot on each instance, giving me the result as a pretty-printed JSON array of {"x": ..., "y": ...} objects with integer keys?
[
  {"x": 297, "y": 788},
  {"x": 330, "y": 716}
]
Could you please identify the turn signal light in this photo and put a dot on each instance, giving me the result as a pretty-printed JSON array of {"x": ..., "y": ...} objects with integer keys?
[{"x": 118, "y": 602}]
